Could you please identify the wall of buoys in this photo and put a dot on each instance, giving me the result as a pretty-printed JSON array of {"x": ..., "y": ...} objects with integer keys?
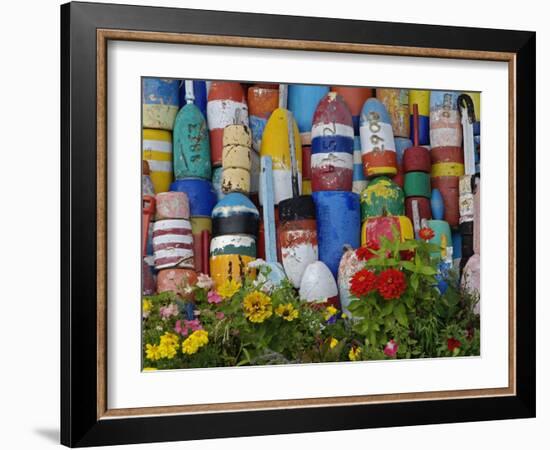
[{"x": 347, "y": 166}]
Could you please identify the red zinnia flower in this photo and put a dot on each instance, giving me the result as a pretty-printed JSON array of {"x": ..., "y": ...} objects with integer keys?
[
  {"x": 426, "y": 233},
  {"x": 364, "y": 253},
  {"x": 363, "y": 282},
  {"x": 391, "y": 284},
  {"x": 452, "y": 343},
  {"x": 407, "y": 255}
]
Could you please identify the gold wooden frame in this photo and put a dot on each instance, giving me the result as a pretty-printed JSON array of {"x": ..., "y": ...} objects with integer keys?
[{"x": 103, "y": 36}]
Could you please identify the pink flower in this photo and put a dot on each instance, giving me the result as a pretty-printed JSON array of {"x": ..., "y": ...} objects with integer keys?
[
  {"x": 391, "y": 349},
  {"x": 167, "y": 311},
  {"x": 220, "y": 315},
  {"x": 214, "y": 297},
  {"x": 204, "y": 281},
  {"x": 188, "y": 325}
]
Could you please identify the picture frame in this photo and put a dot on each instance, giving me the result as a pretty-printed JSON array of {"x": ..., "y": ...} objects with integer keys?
[{"x": 86, "y": 418}]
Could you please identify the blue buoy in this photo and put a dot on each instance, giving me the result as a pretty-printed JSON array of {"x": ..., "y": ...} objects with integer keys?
[
  {"x": 302, "y": 101},
  {"x": 338, "y": 224},
  {"x": 202, "y": 197},
  {"x": 199, "y": 92},
  {"x": 438, "y": 208}
]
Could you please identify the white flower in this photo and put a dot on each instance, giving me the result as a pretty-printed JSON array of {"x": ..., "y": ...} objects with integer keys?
[
  {"x": 256, "y": 264},
  {"x": 204, "y": 281}
]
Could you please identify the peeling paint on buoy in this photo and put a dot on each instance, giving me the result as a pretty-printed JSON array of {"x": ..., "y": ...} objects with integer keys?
[
  {"x": 160, "y": 103},
  {"x": 396, "y": 102},
  {"x": 157, "y": 151},
  {"x": 445, "y": 124},
  {"x": 318, "y": 284},
  {"x": 173, "y": 244},
  {"x": 350, "y": 264}
]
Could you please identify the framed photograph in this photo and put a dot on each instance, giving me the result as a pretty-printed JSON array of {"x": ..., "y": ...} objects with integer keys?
[{"x": 274, "y": 224}]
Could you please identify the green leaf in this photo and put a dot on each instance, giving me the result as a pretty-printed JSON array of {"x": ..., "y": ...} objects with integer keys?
[
  {"x": 401, "y": 314},
  {"x": 387, "y": 309},
  {"x": 414, "y": 282},
  {"x": 427, "y": 270},
  {"x": 408, "y": 265}
]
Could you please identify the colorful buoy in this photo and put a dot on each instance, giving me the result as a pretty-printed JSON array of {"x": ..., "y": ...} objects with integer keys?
[
  {"x": 318, "y": 285},
  {"x": 448, "y": 187},
  {"x": 226, "y": 106},
  {"x": 275, "y": 143},
  {"x": 338, "y": 223},
  {"x": 157, "y": 151},
  {"x": 172, "y": 205},
  {"x": 401, "y": 144},
  {"x": 422, "y": 99},
  {"x": 445, "y": 126},
  {"x": 236, "y": 159},
  {"x": 199, "y": 94},
  {"x": 191, "y": 144},
  {"x": 447, "y": 161},
  {"x": 377, "y": 143},
  {"x": 382, "y": 197},
  {"x": 173, "y": 244},
  {"x": 297, "y": 236},
  {"x": 396, "y": 102},
  {"x": 442, "y": 237},
  {"x": 359, "y": 179},
  {"x": 201, "y": 194},
  {"x": 437, "y": 205},
  {"x": 417, "y": 184},
  {"x": 302, "y": 102},
  {"x": 332, "y": 145},
  {"x": 217, "y": 175},
  {"x": 262, "y": 101},
  {"x": 375, "y": 227},
  {"x": 235, "y": 214},
  {"x": 160, "y": 103}
]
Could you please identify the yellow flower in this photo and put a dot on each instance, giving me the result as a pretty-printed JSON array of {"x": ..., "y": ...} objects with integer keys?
[
  {"x": 146, "y": 305},
  {"x": 330, "y": 311},
  {"x": 228, "y": 288},
  {"x": 169, "y": 339},
  {"x": 257, "y": 307},
  {"x": 333, "y": 342},
  {"x": 287, "y": 312},
  {"x": 354, "y": 353},
  {"x": 152, "y": 352},
  {"x": 195, "y": 341},
  {"x": 149, "y": 369},
  {"x": 344, "y": 316},
  {"x": 168, "y": 350}
]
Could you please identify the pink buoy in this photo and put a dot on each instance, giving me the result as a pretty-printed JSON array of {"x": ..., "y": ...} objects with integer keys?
[{"x": 172, "y": 205}]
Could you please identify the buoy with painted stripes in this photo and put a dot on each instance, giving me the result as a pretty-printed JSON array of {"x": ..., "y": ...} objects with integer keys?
[
  {"x": 157, "y": 151},
  {"x": 160, "y": 102},
  {"x": 173, "y": 244},
  {"x": 236, "y": 159},
  {"x": 332, "y": 145},
  {"x": 377, "y": 143},
  {"x": 234, "y": 215},
  {"x": 338, "y": 223},
  {"x": 422, "y": 99},
  {"x": 355, "y": 98},
  {"x": 302, "y": 102},
  {"x": 191, "y": 142},
  {"x": 375, "y": 227},
  {"x": 275, "y": 144},
  {"x": 297, "y": 236},
  {"x": 318, "y": 285},
  {"x": 382, "y": 197},
  {"x": 447, "y": 161},
  {"x": 262, "y": 101},
  {"x": 445, "y": 127},
  {"x": 359, "y": 179},
  {"x": 226, "y": 106},
  {"x": 396, "y": 102}
]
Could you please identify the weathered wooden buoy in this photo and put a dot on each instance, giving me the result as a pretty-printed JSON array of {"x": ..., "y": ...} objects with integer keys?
[
  {"x": 173, "y": 244},
  {"x": 416, "y": 158},
  {"x": 350, "y": 264},
  {"x": 382, "y": 197},
  {"x": 160, "y": 103},
  {"x": 375, "y": 227},
  {"x": 201, "y": 194},
  {"x": 226, "y": 106},
  {"x": 338, "y": 223},
  {"x": 234, "y": 215},
  {"x": 332, "y": 145},
  {"x": 401, "y": 144},
  {"x": 355, "y": 98},
  {"x": 236, "y": 159},
  {"x": 262, "y": 101},
  {"x": 359, "y": 179},
  {"x": 275, "y": 143},
  {"x": 318, "y": 284},
  {"x": 448, "y": 187},
  {"x": 157, "y": 151},
  {"x": 147, "y": 187},
  {"x": 445, "y": 127},
  {"x": 422, "y": 99},
  {"x": 191, "y": 143},
  {"x": 437, "y": 205},
  {"x": 217, "y": 175},
  {"x": 417, "y": 184},
  {"x": 297, "y": 236},
  {"x": 175, "y": 280},
  {"x": 442, "y": 236},
  {"x": 447, "y": 161},
  {"x": 302, "y": 102},
  {"x": 377, "y": 143},
  {"x": 199, "y": 92},
  {"x": 172, "y": 205},
  {"x": 396, "y": 102}
]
